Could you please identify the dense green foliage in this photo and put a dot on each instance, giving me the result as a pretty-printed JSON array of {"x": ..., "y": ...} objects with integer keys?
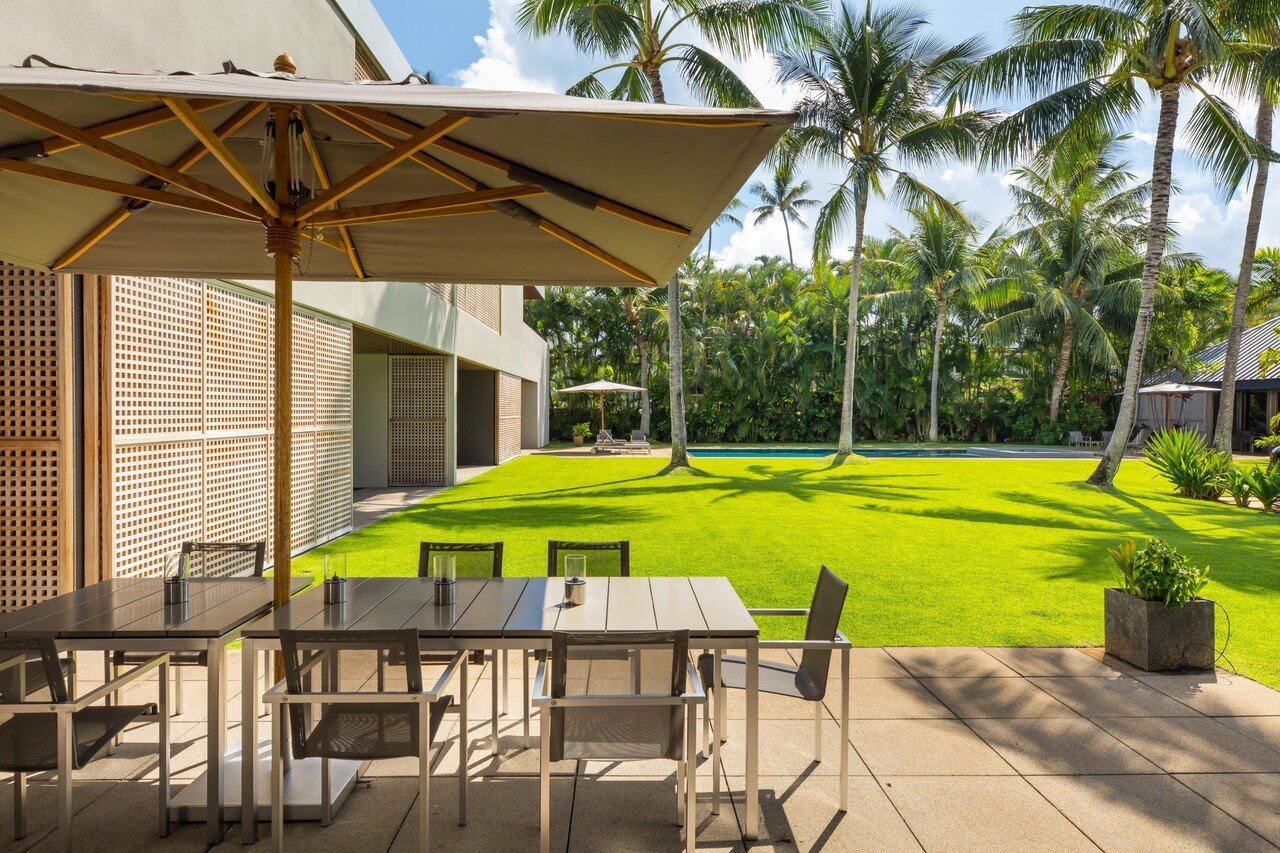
[
  {"x": 937, "y": 551},
  {"x": 1157, "y": 572},
  {"x": 1186, "y": 459}
]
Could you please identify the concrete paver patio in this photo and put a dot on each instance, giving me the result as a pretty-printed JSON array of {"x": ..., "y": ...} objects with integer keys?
[{"x": 953, "y": 749}]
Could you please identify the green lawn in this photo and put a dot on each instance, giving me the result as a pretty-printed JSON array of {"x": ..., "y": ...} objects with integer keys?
[{"x": 936, "y": 551}]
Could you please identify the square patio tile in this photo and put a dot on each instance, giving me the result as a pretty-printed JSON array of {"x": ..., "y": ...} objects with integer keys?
[
  {"x": 995, "y": 697},
  {"x": 1144, "y": 813},
  {"x": 1193, "y": 745},
  {"x": 1217, "y": 693},
  {"x": 1118, "y": 696},
  {"x": 1060, "y": 746},
  {"x": 786, "y": 749},
  {"x": 1265, "y": 730},
  {"x": 42, "y": 805},
  {"x": 865, "y": 663},
  {"x": 891, "y": 699},
  {"x": 1251, "y": 798},
  {"x": 981, "y": 813},
  {"x": 639, "y": 814},
  {"x": 949, "y": 662},
  {"x": 924, "y": 748},
  {"x": 803, "y": 813},
  {"x": 1049, "y": 661},
  {"x": 502, "y": 814}
]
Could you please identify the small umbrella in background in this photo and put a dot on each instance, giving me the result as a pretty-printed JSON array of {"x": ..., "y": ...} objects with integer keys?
[
  {"x": 600, "y": 388},
  {"x": 1169, "y": 390}
]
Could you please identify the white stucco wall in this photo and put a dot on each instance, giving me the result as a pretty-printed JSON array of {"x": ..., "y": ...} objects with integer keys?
[{"x": 180, "y": 35}]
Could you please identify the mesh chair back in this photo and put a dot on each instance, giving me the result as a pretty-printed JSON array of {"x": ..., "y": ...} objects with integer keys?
[
  {"x": 637, "y": 435},
  {"x": 472, "y": 559},
  {"x": 350, "y": 730},
  {"x": 40, "y": 648},
  {"x": 604, "y": 559},
  {"x": 824, "y": 621},
  {"x": 646, "y": 664},
  {"x": 225, "y": 559}
]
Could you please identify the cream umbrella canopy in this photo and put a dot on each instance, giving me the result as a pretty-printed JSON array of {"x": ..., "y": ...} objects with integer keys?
[
  {"x": 601, "y": 388},
  {"x": 184, "y": 174}
]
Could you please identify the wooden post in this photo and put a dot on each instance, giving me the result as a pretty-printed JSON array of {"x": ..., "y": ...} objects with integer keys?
[{"x": 284, "y": 243}]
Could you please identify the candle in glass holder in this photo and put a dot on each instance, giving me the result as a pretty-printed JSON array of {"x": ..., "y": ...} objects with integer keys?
[
  {"x": 444, "y": 571},
  {"x": 335, "y": 578},
  {"x": 575, "y": 579},
  {"x": 177, "y": 571}
]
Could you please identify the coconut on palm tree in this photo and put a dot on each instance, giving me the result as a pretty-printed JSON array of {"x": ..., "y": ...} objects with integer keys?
[
  {"x": 785, "y": 198},
  {"x": 943, "y": 265},
  {"x": 1087, "y": 65},
  {"x": 639, "y": 38},
  {"x": 872, "y": 105},
  {"x": 1078, "y": 217}
]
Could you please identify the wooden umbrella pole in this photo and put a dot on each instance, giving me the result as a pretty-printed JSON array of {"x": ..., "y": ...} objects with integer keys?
[
  {"x": 284, "y": 243},
  {"x": 602, "y": 411}
]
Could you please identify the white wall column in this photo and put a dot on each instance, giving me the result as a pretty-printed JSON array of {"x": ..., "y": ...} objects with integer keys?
[{"x": 451, "y": 419}]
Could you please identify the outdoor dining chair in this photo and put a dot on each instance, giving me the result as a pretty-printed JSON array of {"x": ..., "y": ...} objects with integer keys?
[
  {"x": 329, "y": 723},
  {"x": 641, "y": 705},
  {"x": 64, "y": 734},
  {"x": 806, "y": 682},
  {"x": 604, "y": 559},
  {"x": 207, "y": 560}
]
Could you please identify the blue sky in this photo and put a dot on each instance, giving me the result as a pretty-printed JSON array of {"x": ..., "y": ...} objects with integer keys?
[{"x": 476, "y": 43}]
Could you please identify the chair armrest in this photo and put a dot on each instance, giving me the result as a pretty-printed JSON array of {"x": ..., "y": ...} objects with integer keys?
[
  {"x": 693, "y": 695},
  {"x": 449, "y": 673},
  {"x": 840, "y": 642},
  {"x": 778, "y": 611},
  {"x": 15, "y": 660},
  {"x": 112, "y": 686}
]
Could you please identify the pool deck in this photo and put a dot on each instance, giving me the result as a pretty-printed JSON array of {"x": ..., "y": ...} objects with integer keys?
[{"x": 953, "y": 749}]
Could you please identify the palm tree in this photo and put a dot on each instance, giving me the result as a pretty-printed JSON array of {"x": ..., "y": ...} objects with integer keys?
[
  {"x": 785, "y": 198},
  {"x": 1085, "y": 64},
  {"x": 1267, "y": 92},
  {"x": 640, "y": 37},
  {"x": 872, "y": 81},
  {"x": 1078, "y": 216},
  {"x": 943, "y": 265},
  {"x": 729, "y": 216}
]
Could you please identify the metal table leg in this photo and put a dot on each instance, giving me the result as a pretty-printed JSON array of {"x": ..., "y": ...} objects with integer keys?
[
  {"x": 494, "y": 664},
  {"x": 753, "y": 740},
  {"x": 217, "y": 738},
  {"x": 248, "y": 744}
]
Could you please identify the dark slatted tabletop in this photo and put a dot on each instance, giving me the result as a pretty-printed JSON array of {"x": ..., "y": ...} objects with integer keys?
[
  {"x": 134, "y": 608},
  {"x": 515, "y": 608}
]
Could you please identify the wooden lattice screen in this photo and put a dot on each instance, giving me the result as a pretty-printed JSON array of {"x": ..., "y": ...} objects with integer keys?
[
  {"x": 482, "y": 301},
  {"x": 508, "y": 416},
  {"x": 418, "y": 424},
  {"x": 190, "y": 399},
  {"x": 36, "y": 466}
]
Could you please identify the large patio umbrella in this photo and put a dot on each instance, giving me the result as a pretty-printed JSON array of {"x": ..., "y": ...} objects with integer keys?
[
  {"x": 183, "y": 174},
  {"x": 1169, "y": 390},
  {"x": 601, "y": 388}
]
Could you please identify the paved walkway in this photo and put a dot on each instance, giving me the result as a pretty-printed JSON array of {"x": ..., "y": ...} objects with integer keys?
[
  {"x": 954, "y": 749},
  {"x": 371, "y": 505}
]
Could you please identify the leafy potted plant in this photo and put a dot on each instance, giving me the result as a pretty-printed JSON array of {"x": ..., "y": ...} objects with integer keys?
[
  {"x": 580, "y": 433},
  {"x": 1156, "y": 620}
]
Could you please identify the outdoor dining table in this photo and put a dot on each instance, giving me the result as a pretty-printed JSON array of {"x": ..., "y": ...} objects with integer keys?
[
  {"x": 504, "y": 613},
  {"x": 129, "y": 614}
]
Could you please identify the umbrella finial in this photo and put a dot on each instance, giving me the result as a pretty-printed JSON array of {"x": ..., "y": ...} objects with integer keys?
[{"x": 285, "y": 64}]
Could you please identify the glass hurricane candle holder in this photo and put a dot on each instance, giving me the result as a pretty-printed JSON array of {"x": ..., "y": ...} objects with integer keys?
[
  {"x": 177, "y": 578},
  {"x": 335, "y": 578},
  {"x": 444, "y": 571},
  {"x": 575, "y": 579}
]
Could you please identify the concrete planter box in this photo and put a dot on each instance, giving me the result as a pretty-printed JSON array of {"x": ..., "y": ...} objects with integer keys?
[
  {"x": 1155, "y": 638},
  {"x": 577, "y": 441}
]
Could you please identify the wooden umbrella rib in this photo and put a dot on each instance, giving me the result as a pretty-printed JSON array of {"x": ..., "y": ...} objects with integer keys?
[
  {"x": 218, "y": 148},
  {"x": 379, "y": 212},
  {"x": 122, "y": 189},
  {"x": 414, "y": 216},
  {"x": 401, "y": 151},
  {"x": 595, "y": 252},
  {"x": 128, "y": 124},
  {"x": 193, "y": 155},
  {"x": 476, "y": 155},
  {"x": 359, "y": 125},
  {"x": 322, "y": 177},
  {"x": 46, "y": 122}
]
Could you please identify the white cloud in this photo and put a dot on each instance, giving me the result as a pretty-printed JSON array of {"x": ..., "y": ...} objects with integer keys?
[{"x": 948, "y": 175}]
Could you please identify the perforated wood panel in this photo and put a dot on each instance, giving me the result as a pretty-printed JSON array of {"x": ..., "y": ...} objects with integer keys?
[
  {"x": 416, "y": 453},
  {"x": 216, "y": 484},
  {"x": 482, "y": 301},
  {"x": 35, "y": 539},
  {"x": 508, "y": 416}
]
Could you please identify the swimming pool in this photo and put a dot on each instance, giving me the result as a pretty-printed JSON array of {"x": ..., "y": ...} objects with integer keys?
[{"x": 890, "y": 452}]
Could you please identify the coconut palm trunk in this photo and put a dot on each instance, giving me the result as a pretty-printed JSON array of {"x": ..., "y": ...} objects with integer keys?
[
  {"x": 1064, "y": 363},
  {"x": 938, "y": 326},
  {"x": 845, "y": 448},
  {"x": 787, "y": 228},
  {"x": 1157, "y": 231},
  {"x": 1225, "y": 428},
  {"x": 644, "y": 383}
]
